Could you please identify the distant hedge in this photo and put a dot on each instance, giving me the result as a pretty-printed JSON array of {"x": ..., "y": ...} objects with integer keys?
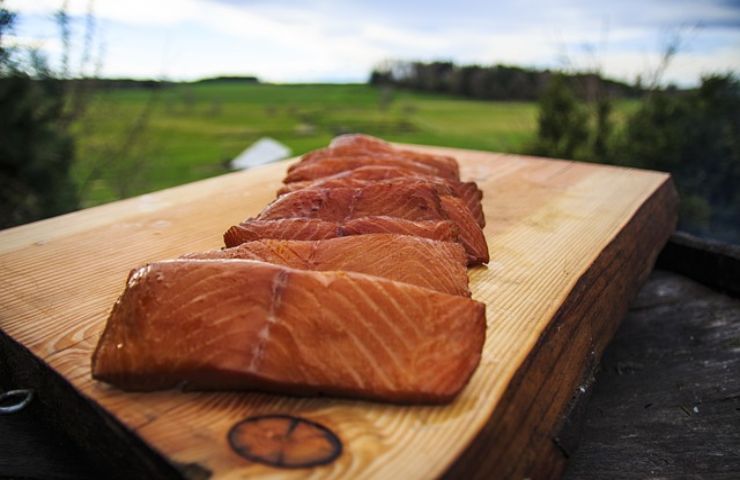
[
  {"x": 229, "y": 79},
  {"x": 497, "y": 82}
]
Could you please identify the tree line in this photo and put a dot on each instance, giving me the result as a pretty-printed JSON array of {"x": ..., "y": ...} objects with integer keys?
[
  {"x": 694, "y": 134},
  {"x": 497, "y": 82}
]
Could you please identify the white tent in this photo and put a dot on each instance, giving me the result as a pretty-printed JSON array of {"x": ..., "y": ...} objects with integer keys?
[{"x": 264, "y": 150}]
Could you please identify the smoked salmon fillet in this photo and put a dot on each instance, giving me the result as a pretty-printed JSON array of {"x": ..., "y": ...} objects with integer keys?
[
  {"x": 365, "y": 145},
  {"x": 410, "y": 200},
  {"x": 326, "y": 166},
  {"x": 420, "y": 261},
  {"x": 360, "y": 177},
  {"x": 315, "y": 229},
  {"x": 247, "y": 325}
]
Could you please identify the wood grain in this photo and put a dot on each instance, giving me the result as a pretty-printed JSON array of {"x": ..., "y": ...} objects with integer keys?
[
  {"x": 666, "y": 403},
  {"x": 570, "y": 244}
]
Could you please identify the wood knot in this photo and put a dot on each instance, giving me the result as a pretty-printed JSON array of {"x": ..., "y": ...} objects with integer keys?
[{"x": 284, "y": 441}]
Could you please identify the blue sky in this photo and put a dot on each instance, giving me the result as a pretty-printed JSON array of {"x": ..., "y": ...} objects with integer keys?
[{"x": 336, "y": 41}]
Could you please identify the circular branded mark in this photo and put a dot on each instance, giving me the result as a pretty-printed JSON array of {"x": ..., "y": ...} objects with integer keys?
[{"x": 284, "y": 441}]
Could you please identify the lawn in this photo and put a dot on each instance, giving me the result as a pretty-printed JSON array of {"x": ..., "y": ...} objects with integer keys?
[{"x": 135, "y": 141}]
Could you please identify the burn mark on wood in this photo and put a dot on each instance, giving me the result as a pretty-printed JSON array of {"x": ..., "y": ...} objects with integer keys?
[{"x": 284, "y": 441}]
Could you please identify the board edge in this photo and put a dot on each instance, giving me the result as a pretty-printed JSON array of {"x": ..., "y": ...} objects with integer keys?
[{"x": 488, "y": 453}]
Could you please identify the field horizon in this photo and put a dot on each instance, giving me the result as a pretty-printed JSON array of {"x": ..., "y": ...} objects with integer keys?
[{"x": 132, "y": 141}]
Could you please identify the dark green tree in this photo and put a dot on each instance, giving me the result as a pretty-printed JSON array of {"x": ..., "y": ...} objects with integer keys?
[
  {"x": 695, "y": 136},
  {"x": 562, "y": 124},
  {"x": 36, "y": 150}
]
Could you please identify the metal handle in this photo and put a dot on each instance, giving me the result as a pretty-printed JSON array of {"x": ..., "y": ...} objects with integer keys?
[{"x": 23, "y": 397}]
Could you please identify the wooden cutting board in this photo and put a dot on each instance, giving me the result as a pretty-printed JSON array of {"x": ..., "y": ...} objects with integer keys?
[{"x": 570, "y": 245}]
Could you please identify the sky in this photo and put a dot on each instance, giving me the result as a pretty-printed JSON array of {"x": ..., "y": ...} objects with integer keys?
[{"x": 341, "y": 41}]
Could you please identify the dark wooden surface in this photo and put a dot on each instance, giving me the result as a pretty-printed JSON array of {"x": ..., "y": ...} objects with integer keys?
[
  {"x": 30, "y": 448},
  {"x": 712, "y": 263},
  {"x": 72, "y": 420},
  {"x": 665, "y": 403}
]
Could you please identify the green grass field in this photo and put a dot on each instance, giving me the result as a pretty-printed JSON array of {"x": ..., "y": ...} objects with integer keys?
[{"x": 136, "y": 141}]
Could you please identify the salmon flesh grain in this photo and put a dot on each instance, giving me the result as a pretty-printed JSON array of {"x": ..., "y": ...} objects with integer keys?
[
  {"x": 316, "y": 229},
  {"x": 413, "y": 200},
  {"x": 420, "y": 261},
  {"x": 248, "y": 325},
  {"x": 363, "y": 176}
]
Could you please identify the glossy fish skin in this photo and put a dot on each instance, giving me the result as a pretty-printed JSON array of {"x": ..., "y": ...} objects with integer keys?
[
  {"x": 412, "y": 200},
  {"x": 316, "y": 229},
  {"x": 246, "y": 325},
  {"x": 432, "y": 264},
  {"x": 363, "y": 176}
]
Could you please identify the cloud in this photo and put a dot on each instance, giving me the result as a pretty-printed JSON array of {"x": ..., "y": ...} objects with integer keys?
[{"x": 296, "y": 41}]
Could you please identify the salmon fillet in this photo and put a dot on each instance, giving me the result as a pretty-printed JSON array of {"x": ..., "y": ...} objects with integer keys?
[
  {"x": 365, "y": 145},
  {"x": 360, "y": 177},
  {"x": 409, "y": 200},
  {"x": 419, "y": 261},
  {"x": 359, "y": 139},
  {"x": 326, "y": 166},
  {"x": 315, "y": 229},
  {"x": 246, "y": 325}
]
